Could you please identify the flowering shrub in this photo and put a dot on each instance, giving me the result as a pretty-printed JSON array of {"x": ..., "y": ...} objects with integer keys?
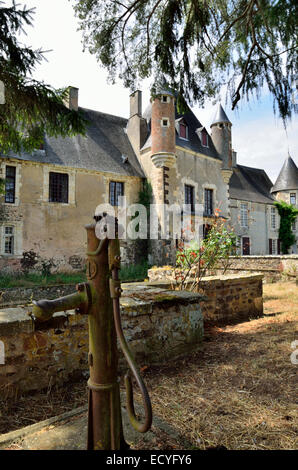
[{"x": 194, "y": 262}]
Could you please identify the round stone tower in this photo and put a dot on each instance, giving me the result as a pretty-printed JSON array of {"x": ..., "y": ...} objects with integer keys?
[
  {"x": 221, "y": 134},
  {"x": 163, "y": 144}
]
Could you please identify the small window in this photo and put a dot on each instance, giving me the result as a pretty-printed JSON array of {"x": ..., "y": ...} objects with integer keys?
[
  {"x": 293, "y": 199},
  {"x": 183, "y": 130},
  {"x": 189, "y": 196},
  {"x": 116, "y": 190},
  {"x": 273, "y": 218},
  {"x": 8, "y": 240},
  {"x": 244, "y": 215},
  {"x": 165, "y": 122},
  {"x": 204, "y": 139},
  {"x": 10, "y": 184},
  {"x": 165, "y": 99},
  {"x": 58, "y": 187},
  {"x": 208, "y": 201}
]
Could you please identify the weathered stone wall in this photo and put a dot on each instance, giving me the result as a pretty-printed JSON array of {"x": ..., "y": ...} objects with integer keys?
[
  {"x": 272, "y": 267},
  {"x": 56, "y": 230},
  {"x": 229, "y": 298},
  {"x": 24, "y": 295},
  {"x": 158, "y": 325}
]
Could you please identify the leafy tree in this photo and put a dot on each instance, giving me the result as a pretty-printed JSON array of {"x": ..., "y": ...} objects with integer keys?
[
  {"x": 197, "y": 45},
  {"x": 31, "y": 108},
  {"x": 288, "y": 214}
]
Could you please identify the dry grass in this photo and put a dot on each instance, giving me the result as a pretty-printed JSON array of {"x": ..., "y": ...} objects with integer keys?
[{"x": 239, "y": 391}]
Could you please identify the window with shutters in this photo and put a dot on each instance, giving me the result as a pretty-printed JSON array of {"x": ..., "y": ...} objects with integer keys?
[
  {"x": 274, "y": 246},
  {"x": 58, "y": 187},
  {"x": 116, "y": 190},
  {"x": 10, "y": 184}
]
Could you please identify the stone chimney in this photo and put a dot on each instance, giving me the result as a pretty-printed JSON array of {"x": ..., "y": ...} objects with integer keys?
[
  {"x": 136, "y": 126},
  {"x": 72, "y": 99}
]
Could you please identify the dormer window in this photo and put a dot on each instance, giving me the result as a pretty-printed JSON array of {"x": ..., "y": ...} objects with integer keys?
[
  {"x": 183, "y": 131},
  {"x": 203, "y": 136},
  {"x": 204, "y": 140}
]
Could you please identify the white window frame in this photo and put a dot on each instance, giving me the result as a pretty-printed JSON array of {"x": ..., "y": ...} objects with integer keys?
[
  {"x": 165, "y": 119},
  {"x": 274, "y": 246},
  {"x": 17, "y": 180},
  {"x": 291, "y": 195},
  {"x": 165, "y": 99},
  {"x": 7, "y": 236},
  {"x": 243, "y": 214},
  {"x": 17, "y": 239},
  {"x": 273, "y": 218}
]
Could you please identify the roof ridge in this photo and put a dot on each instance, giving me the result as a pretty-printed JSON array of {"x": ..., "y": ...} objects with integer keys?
[{"x": 102, "y": 113}]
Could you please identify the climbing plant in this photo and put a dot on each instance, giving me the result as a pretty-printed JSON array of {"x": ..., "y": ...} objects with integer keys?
[{"x": 288, "y": 214}]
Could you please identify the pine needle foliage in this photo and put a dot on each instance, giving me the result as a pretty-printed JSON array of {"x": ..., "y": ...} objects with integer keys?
[{"x": 31, "y": 108}]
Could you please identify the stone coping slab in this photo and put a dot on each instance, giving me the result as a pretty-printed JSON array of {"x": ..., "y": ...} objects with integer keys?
[{"x": 17, "y": 319}]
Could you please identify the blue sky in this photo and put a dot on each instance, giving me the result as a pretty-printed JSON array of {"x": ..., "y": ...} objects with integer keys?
[{"x": 259, "y": 137}]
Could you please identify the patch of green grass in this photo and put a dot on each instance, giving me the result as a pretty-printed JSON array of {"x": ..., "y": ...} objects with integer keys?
[
  {"x": 134, "y": 272},
  {"x": 127, "y": 273},
  {"x": 34, "y": 279}
]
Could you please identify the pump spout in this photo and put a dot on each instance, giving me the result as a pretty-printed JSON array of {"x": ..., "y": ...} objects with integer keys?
[{"x": 44, "y": 309}]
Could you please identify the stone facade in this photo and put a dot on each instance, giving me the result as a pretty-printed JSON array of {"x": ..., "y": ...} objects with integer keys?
[
  {"x": 56, "y": 230},
  {"x": 158, "y": 325},
  {"x": 173, "y": 151}
]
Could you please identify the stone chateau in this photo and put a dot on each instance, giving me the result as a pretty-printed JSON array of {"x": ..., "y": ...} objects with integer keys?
[{"x": 52, "y": 193}]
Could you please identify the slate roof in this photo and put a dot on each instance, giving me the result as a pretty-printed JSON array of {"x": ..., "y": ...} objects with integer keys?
[
  {"x": 193, "y": 143},
  {"x": 100, "y": 150},
  {"x": 287, "y": 178},
  {"x": 220, "y": 116},
  {"x": 250, "y": 184}
]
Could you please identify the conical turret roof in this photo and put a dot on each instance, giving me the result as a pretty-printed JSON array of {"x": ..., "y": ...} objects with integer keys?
[
  {"x": 287, "y": 178},
  {"x": 220, "y": 116}
]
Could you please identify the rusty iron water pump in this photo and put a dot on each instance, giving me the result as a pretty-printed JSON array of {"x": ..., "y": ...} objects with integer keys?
[{"x": 99, "y": 299}]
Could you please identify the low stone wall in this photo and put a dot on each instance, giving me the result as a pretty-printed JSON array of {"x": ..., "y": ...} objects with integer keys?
[
  {"x": 274, "y": 268},
  {"x": 158, "y": 325},
  {"x": 229, "y": 298},
  {"x": 24, "y": 295}
]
